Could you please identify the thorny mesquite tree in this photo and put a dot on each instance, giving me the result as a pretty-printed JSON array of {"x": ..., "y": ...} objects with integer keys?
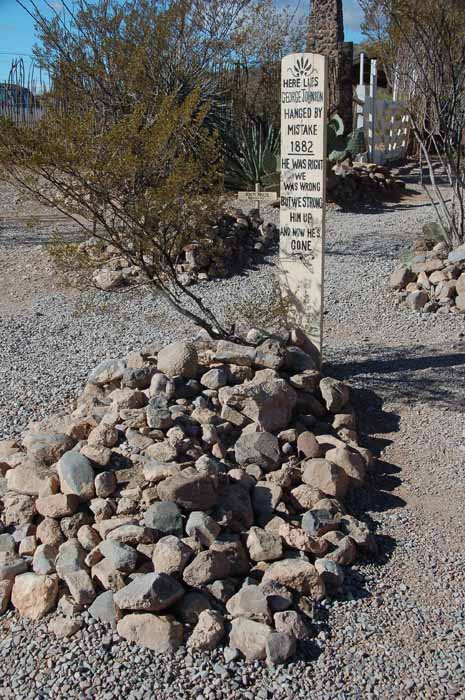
[
  {"x": 127, "y": 146},
  {"x": 422, "y": 44}
]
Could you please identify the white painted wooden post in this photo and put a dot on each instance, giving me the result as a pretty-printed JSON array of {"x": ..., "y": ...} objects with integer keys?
[
  {"x": 257, "y": 191},
  {"x": 373, "y": 90},
  {"x": 361, "y": 92},
  {"x": 361, "y": 80},
  {"x": 303, "y": 188}
]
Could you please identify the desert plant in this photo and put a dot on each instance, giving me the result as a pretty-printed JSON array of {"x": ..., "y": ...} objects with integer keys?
[
  {"x": 128, "y": 146},
  {"x": 341, "y": 145},
  {"x": 251, "y": 155}
]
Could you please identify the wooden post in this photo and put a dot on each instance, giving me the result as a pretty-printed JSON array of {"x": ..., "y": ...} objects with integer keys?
[
  {"x": 304, "y": 79},
  {"x": 362, "y": 69},
  {"x": 373, "y": 91}
]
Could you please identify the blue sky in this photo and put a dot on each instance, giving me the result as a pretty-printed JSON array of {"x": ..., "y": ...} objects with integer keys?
[{"x": 17, "y": 29}]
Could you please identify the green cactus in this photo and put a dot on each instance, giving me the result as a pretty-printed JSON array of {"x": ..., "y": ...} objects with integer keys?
[{"x": 340, "y": 145}]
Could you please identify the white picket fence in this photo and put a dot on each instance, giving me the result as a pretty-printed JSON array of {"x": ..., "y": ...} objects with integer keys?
[
  {"x": 385, "y": 122},
  {"x": 21, "y": 115}
]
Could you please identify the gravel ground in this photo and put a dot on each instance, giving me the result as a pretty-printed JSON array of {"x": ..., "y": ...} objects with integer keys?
[{"x": 397, "y": 630}]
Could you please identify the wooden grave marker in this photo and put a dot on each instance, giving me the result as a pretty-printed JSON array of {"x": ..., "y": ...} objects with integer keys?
[{"x": 304, "y": 93}]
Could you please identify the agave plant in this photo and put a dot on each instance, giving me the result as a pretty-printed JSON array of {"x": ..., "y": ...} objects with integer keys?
[{"x": 251, "y": 156}]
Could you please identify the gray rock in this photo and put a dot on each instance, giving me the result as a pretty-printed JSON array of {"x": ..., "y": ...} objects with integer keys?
[
  {"x": 104, "y": 609},
  {"x": 279, "y": 597},
  {"x": 235, "y": 552},
  {"x": 279, "y": 648},
  {"x": 292, "y": 623},
  {"x": 80, "y": 586},
  {"x": 267, "y": 402},
  {"x": 76, "y": 476},
  {"x": 6, "y": 587},
  {"x": 131, "y": 535},
  {"x": 161, "y": 384},
  {"x": 417, "y": 300},
  {"x": 266, "y": 497},
  {"x": 106, "y": 372},
  {"x": 318, "y": 521},
  {"x": 165, "y": 518},
  {"x": 150, "y": 593},
  {"x": 335, "y": 394},
  {"x": 331, "y": 573},
  {"x": 44, "y": 559},
  {"x": 270, "y": 354},
  {"x": 258, "y": 448},
  {"x": 206, "y": 567},
  {"x": 457, "y": 255},
  {"x": 202, "y": 527},
  {"x": 298, "y": 361},
  {"x": 158, "y": 417},
  {"x": 138, "y": 377},
  {"x": 235, "y": 354},
  {"x": 71, "y": 557},
  {"x": 359, "y": 532},
  {"x": 249, "y": 602},
  {"x": 11, "y": 565},
  {"x": 235, "y": 508},
  {"x": 122, "y": 556},
  {"x": 189, "y": 608},
  {"x": 215, "y": 378},
  {"x": 264, "y": 545},
  {"x": 105, "y": 484},
  {"x": 47, "y": 448},
  {"x": 71, "y": 525},
  {"x": 109, "y": 280},
  {"x": 7, "y": 543}
]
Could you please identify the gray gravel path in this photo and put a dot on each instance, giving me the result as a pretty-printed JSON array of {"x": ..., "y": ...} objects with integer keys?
[{"x": 397, "y": 630}]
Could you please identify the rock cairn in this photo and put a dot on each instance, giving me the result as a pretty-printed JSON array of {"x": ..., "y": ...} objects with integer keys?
[
  {"x": 236, "y": 239},
  {"x": 434, "y": 280},
  {"x": 194, "y": 494},
  {"x": 350, "y": 182}
]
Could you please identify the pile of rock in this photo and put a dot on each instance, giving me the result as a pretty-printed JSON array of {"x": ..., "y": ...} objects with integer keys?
[
  {"x": 434, "y": 280},
  {"x": 233, "y": 243},
  {"x": 349, "y": 182},
  {"x": 196, "y": 492}
]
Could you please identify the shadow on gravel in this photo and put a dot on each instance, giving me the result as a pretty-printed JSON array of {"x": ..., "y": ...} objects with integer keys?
[
  {"x": 383, "y": 478},
  {"x": 377, "y": 205},
  {"x": 14, "y": 234},
  {"x": 408, "y": 376}
]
